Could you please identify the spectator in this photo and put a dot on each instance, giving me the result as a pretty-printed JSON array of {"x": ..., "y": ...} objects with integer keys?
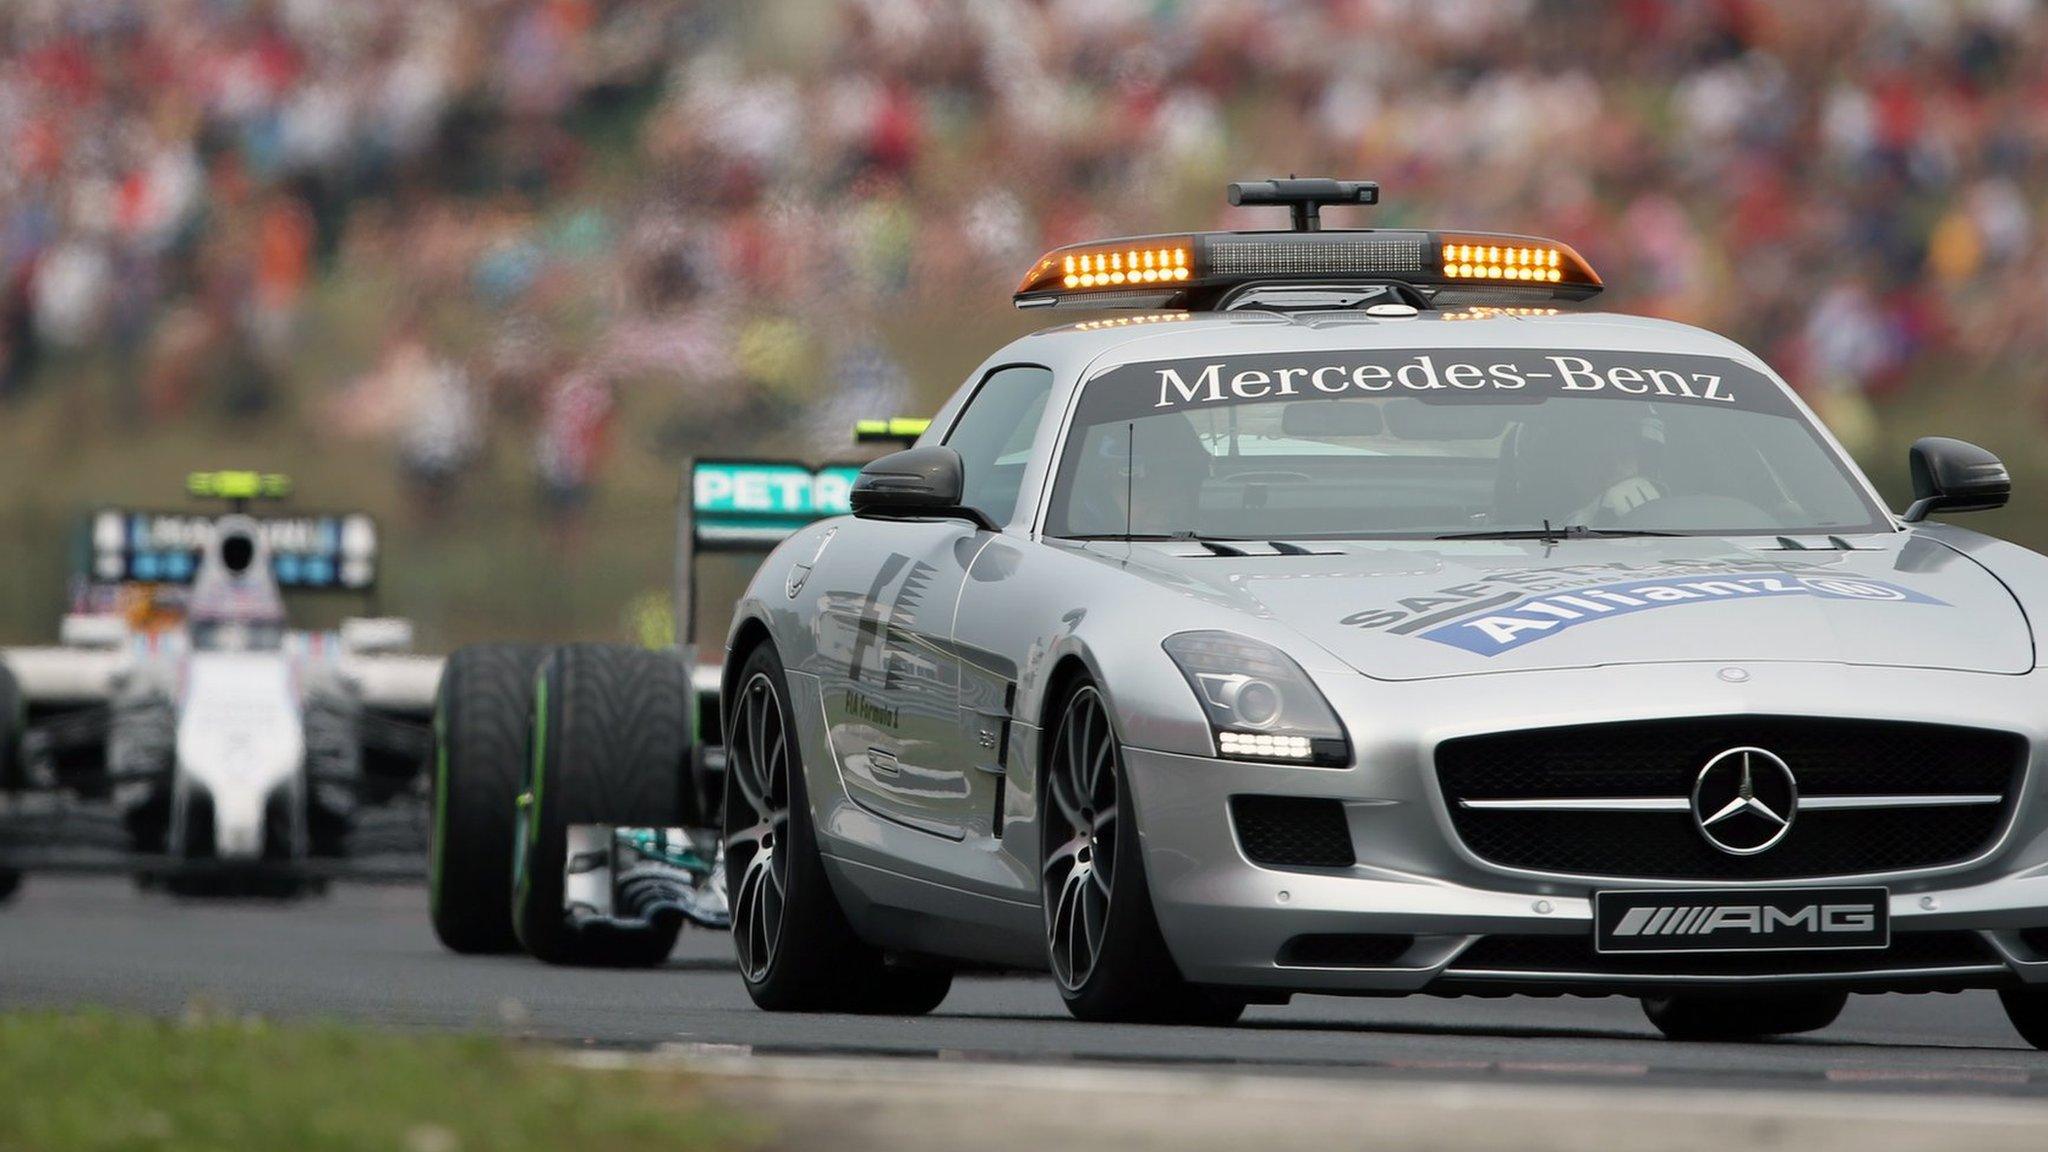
[
  {"x": 728, "y": 214},
  {"x": 575, "y": 436}
]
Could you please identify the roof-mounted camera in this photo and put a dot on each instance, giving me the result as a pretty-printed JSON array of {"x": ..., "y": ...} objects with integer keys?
[{"x": 1303, "y": 197}]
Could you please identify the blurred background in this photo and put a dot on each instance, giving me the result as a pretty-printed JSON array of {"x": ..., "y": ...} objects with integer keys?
[{"x": 491, "y": 269}]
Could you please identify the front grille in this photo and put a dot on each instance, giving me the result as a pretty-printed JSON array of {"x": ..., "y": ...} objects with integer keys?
[
  {"x": 1343, "y": 950},
  {"x": 1292, "y": 832},
  {"x": 1540, "y": 954},
  {"x": 1662, "y": 758},
  {"x": 2036, "y": 939}
]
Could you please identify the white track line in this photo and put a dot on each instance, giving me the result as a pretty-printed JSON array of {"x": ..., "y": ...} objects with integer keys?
[{"x": 912, "y": 1105}]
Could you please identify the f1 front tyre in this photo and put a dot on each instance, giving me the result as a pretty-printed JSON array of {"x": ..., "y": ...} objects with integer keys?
[
  {"x": 481, "y": 714},
  {"x": 610, "y": 745}
]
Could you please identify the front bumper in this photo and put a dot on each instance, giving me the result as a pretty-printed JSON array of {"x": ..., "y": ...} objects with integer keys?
[{"x": 1424, "y": 914}]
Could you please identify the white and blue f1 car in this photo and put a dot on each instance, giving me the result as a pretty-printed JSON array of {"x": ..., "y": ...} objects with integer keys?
[{"x": 183, "y": 731}]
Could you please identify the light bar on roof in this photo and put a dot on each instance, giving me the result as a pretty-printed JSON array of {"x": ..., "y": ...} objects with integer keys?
[
  {"x": 1199, "y": 271},
  {"x": 1145, "y": 262},
  {"x": 1147, "y": 265},
  {"x": 1511, "y": 260}
]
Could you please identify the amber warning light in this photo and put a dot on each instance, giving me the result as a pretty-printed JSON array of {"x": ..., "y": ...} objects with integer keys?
[
  {"x": 1204, "y": 271},
  {"x": 1143, "y": 262}
]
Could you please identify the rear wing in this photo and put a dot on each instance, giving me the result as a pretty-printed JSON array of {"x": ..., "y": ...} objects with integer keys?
[
  {"x": 741, "y": 505},
  {"x": 322, "y": 552}
]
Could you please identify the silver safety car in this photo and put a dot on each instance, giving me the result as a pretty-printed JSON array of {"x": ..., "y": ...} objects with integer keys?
[{"x": 1352, "y": 614}]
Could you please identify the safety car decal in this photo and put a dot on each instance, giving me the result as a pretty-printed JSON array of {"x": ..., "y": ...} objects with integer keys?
[
  {"x": 1492, "y": 630},
  {"x": 1439, "y": 375}
]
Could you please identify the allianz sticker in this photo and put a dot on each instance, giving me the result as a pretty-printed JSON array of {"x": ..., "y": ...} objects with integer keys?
[
  {"x": 1533, "y": 618},
  {"x": 1510, "y": 607}
]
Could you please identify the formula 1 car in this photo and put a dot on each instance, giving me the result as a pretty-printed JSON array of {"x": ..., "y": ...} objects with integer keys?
[
  {"x": 184, "y": 733},
  {"x": 578, "y": 789},
  {"x": 1355, "y": 617}
]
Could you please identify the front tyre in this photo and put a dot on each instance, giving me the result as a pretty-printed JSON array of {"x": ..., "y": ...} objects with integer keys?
[
  {"x": 1704, "y": 1016},
  {"x": 609, "y": 746},
  {"x": 481, "y": 712},
  {"x": 797, "y": 951},
  {"x": 1102, "y": 936},
  {"x": 2027, "y": 1008}
]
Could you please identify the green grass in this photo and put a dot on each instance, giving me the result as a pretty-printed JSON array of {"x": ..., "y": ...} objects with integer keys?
[{"x": 91, "y": 1082}]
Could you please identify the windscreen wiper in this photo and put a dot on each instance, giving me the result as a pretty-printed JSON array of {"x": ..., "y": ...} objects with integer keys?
[
  {"x": 1179, "y": 537},
  {"x": 1552, "y": 535},
  {"x": 1217, "y": 545}
]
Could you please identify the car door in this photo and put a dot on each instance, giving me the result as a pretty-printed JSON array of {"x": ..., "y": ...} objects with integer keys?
[
  {"x": 889, "y": 688},
  {"x": 890, "y": 676}
]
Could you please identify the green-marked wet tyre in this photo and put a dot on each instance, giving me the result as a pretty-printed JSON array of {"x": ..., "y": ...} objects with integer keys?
[
  {"x": 481, "y": 715},
  {"x": 610, "y": 743}
]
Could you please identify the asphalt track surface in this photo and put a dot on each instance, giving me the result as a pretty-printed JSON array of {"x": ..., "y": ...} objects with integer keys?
[{"x": 367, "y": 955}]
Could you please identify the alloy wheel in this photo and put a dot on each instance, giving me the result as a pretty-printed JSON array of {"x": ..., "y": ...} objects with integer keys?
[
  {"x": 1079, "y": 839},
  {"x": 757, "y": 828}
]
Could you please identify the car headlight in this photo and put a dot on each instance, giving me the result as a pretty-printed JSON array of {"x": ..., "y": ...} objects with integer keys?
[{"x": 1261, "y": 705}]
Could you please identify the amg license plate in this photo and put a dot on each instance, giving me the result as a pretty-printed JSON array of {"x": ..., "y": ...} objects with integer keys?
[{"x": 1737, "y": 920}]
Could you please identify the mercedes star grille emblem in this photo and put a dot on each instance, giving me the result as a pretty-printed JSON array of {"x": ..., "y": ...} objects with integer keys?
[{"x": 1744, "y": 800}]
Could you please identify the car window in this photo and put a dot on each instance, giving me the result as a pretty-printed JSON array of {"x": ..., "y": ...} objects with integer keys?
[
  {"x": 1437, "y": 442},
  {"x": 994, "y": 433}
]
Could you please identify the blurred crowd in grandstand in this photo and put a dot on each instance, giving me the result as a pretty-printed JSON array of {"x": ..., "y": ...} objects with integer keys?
[{"x": 435, "y": 226}]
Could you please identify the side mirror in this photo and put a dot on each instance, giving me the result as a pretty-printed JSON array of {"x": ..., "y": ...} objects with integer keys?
[
  {"x": 1954, "y": 476},
  {"x": 914, "y": 484}
]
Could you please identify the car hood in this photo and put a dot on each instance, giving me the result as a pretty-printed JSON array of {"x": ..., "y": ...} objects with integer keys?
[{"x": 1414, "y": 610}]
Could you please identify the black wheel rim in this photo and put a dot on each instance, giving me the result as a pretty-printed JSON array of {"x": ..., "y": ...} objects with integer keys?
[
  {"x": 757, "y": 826},
  {"x": 1079, "y": 841}
]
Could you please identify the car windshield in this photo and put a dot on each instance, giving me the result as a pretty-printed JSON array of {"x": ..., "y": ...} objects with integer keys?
[{"x": 1444, "y": 443}]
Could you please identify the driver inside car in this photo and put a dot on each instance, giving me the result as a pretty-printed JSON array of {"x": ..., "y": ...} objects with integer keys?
[
  {"x": 1618, "y": 465},
  {"x": 1602, "y": 467},
  {"x": 1153, "y": 489}
]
